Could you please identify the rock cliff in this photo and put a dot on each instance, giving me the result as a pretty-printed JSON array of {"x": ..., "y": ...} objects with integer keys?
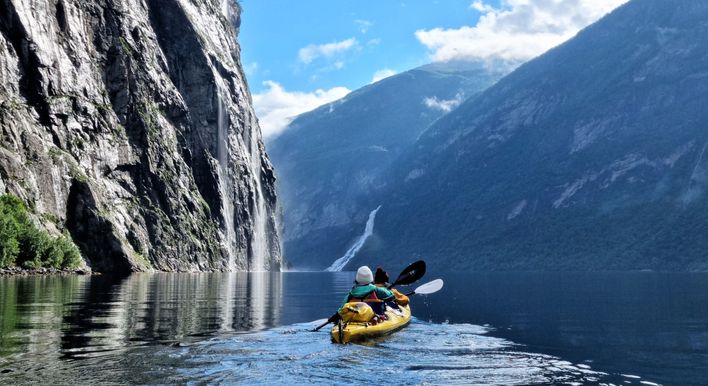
[{"x": 129, "y": 125}]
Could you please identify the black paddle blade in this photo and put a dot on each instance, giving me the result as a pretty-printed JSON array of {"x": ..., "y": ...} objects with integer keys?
[
  {"x": 410, "y": 274},
  {"x": 332, "y": 319}
]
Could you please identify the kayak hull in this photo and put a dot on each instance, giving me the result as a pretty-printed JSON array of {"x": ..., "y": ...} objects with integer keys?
[{"x": 357, "y": 331}]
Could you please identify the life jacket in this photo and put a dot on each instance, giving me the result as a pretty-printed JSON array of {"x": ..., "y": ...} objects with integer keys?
[
  {"x": 368, "y": 297},
  {"x": 361, "y": 293},
  {"x": 401, "y": 299}
]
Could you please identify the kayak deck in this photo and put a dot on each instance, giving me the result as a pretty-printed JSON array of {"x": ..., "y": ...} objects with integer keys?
[{"x": 358, "y": 331}]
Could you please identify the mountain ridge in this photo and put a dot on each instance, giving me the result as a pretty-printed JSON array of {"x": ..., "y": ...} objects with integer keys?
[
  {"x": 579, "y": 159},
  {"x": 327, "y": 158}
]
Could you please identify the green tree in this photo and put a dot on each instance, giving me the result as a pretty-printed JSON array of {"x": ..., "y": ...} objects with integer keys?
[
  {"x": 9, "y": 247},
  {"x": 23, "y": 244}
]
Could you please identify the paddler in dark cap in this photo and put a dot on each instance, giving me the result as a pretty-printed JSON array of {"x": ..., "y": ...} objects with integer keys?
[{"x": 381, "y": 279}]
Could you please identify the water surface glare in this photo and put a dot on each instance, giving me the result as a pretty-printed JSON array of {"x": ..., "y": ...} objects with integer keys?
[{"x": 491, "y": 329}]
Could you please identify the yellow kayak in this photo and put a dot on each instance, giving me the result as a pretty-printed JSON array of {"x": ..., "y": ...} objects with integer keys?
[{"x": 358, "y": 331}]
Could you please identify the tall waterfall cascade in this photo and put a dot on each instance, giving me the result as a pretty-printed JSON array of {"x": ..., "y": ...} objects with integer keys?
[
  {"x": 225, "y": 187},
  {"x": 340, "y": 263},
  {"x": 259, "y": 241}
]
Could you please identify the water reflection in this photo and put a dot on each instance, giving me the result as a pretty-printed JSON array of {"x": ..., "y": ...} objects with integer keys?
[
  {"x": 75, "y": 317},
  {"x": 176, "y": 328},
  {"x": 425, "y": 354}
]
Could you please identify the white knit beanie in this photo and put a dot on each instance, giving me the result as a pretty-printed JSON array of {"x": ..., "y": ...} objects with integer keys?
[{"x": 364, "y": 275}]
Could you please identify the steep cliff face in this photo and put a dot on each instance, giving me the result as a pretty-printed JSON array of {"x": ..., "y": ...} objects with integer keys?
[{"x": 129, "y": 124}]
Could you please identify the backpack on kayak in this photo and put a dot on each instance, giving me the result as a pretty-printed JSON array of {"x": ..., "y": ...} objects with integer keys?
[{"x": 356, "y": 312}]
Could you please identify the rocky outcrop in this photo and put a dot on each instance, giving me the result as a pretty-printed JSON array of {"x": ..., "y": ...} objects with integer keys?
[{"x": 129, "y": 125}]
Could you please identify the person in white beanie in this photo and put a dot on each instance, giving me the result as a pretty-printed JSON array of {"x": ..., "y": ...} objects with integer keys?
[{"x": 364, "y": 289}]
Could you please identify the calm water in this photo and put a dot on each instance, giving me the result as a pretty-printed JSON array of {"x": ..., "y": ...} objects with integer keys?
[{"x": 496, "y": 329}]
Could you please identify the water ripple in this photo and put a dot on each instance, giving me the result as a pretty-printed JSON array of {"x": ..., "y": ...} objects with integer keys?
[{"x": 423, "y": 353}]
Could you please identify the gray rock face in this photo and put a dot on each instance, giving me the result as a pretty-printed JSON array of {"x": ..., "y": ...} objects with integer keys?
[{"x": 129, "y": 124}]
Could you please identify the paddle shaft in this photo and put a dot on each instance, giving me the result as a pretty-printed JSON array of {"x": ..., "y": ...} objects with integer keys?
[{"x": 330, "y": 320}]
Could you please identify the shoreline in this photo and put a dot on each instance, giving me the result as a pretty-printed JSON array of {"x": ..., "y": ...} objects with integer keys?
[{"x": 17, "y": 271}]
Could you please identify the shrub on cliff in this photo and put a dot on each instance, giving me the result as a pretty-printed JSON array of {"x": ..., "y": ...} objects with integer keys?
[{"x": 23, "y": 244}]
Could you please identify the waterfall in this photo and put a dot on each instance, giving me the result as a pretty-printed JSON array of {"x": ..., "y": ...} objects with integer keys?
[
  {"x": 340, "y": 263},
  {"x": 259, "y": 241},
  {"x": 225, "y": 189}
]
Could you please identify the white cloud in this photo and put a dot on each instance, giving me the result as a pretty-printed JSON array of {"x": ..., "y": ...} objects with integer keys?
[
  {"x": 313, "y": 51},
  {"x": 251, "y": 68},
  {"x": 277, "y": 107},
  {"x": 444, "y": 105},
  {"x": 363, "y": 25},
  {"x": 481, "y": 7},
  {"x": 381, "y": 74},
  {"x": 517, "y": 31}
]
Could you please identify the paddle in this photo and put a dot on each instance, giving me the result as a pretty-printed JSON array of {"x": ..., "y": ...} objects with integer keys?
[
  {"x": 428, "y": 288},
  {"x": 409, "y": 275}
]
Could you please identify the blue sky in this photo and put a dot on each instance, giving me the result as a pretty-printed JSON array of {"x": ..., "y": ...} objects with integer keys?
[
  {"x": 272, "y": 33},
  {"x": 299, "y": 55}
]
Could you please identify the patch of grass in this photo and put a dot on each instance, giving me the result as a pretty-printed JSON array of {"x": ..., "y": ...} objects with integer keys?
[
  {"x": 126, "y": 46},
  {"x": 103, "y": 213},
  {"x": 75, "y": 172},
  {"x": 23, "y": 244},
  {"x": 120, "y": 130},
  {"x": 150, "y": 118},
  {"x": 54, "y": 153},
  {"x": 9, "y": 105},
  {"x": 141, "y": 258},
  {"x": 205, "y": 206},
  {"x": 51, "y": 218}
]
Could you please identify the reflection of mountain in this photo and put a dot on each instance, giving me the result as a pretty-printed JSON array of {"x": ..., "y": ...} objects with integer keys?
[{"x": 329, "y": 157}]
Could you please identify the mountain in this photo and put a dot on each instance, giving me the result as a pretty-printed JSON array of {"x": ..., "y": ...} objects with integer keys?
[
  {"x": 590, "y": 157},
  {"x": 328, "y": 157},
  {"x": 130, "y": 128}
]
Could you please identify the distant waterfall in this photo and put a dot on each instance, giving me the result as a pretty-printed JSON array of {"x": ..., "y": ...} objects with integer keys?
[
  {"x": 340, "y": 263},
  {"x": 225, "y": 189}
]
